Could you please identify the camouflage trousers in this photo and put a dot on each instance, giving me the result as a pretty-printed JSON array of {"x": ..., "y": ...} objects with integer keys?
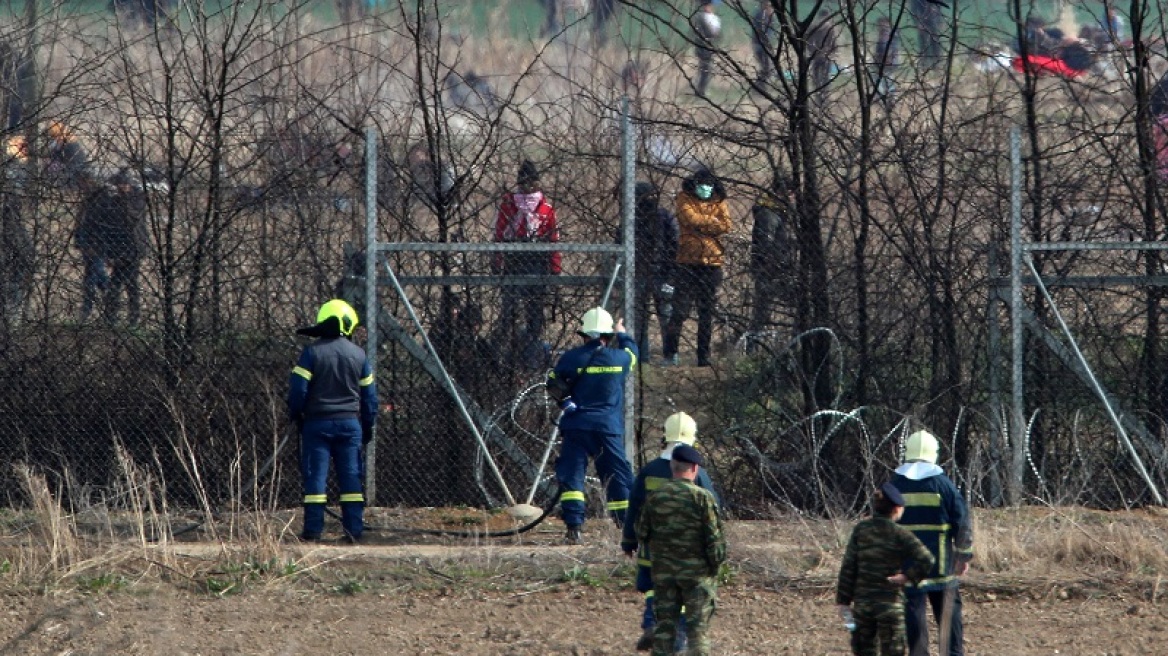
[
  {"x": 698, "y": 596},
  {"x": 879, "y": 628}
]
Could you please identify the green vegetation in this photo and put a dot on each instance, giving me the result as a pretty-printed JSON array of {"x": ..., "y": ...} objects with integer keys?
[
  {"x": 349, "y": 587},
  {"x": 580, "y": 574},
  {"x": 106, "y": 582}
]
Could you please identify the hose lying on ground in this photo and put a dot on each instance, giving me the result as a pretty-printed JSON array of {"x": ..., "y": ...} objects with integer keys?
[
  {"x": 518, "y": 530},
  {"x": 547, "y": 510}
]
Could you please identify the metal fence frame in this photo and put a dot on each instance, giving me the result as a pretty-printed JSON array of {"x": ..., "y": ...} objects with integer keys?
[
  {"x": 1021, "y": 316},
  {"x": 425, "y": 352}
]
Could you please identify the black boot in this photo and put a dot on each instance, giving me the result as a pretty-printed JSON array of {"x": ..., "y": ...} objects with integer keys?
[
  {"x": 645, "y": 642},
  {"x": 573, "y": 536}
]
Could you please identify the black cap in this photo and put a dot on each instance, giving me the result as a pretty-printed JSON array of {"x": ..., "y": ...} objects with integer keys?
[
  {"x": 892, "y": 494},
  {"x": 704, "y": 176},
  {"x": 528, "y": 174},
  {"x": 686, "y": 453}
]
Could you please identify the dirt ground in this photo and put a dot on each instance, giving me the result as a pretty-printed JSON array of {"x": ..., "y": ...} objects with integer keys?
[{"x": 520, "y": 597}]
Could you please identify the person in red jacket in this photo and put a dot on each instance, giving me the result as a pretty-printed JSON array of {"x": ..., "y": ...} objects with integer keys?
[{"x": 526, "y": 216}]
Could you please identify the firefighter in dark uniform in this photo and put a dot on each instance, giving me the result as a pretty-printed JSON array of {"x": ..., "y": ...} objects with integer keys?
[
  {"x": 936, "y": 513},
  {"x": 591, "y": 377},
  {"x": 333, "y": 399},
  {"x": 680, "y": 428}
]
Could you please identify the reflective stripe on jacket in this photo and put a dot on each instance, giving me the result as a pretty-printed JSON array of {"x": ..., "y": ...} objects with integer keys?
[
  {"x": 597, "y": 379},
  {"x": 935, "y": 512}
]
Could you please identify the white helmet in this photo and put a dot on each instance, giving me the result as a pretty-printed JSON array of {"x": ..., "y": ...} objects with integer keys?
[
  {"x": 921, "y": 445},
  {"x": 596, "y": 323},
  {"x": 680, "y": 427}
]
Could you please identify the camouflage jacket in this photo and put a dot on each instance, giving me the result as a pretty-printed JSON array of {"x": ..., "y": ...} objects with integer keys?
[
  {"x": 681, "y": 526},
  {"x": 880, "y": 548}
]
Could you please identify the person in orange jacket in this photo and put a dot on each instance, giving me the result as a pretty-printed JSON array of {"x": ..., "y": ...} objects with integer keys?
[{"x": 703, "y": 217}]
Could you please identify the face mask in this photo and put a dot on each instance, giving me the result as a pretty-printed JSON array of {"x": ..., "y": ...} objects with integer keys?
[{"x": 704, "y": 191}]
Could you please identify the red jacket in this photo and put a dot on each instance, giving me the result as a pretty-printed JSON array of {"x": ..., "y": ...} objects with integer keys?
[
  {"x": 520, "y": 225},
  {"x": 1040, "y": 65}
]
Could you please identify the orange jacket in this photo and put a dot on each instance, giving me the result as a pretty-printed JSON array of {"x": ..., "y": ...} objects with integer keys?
[{"x": 702, "y": 224}]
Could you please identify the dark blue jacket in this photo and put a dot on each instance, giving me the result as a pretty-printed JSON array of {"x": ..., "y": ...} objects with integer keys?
[
  {"x": 332, "y": 380},
  {"x": 597, "y": 377},
  {"x": 651, "y": 476},
  {"x": 935, "y": 512}
]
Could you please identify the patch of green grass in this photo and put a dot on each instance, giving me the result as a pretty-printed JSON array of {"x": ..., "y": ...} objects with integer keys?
[
  {"x": 349, "y": 587},
  {"x": 580, "y": 575},
  {"x": 221, "y": 586},
  {"x": 5, "y": 566},
  {"x": 234, "y": 576},
  {"x": 107, "y": 582}
]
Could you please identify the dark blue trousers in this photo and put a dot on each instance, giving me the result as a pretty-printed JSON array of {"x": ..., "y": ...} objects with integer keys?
[
  {"x": 338, "y": 440},
  {"x": 916, "y": 620},
  {"x": 611, "y": 465}
]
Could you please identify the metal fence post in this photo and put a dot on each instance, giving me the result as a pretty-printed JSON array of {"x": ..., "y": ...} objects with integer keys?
[
  {"x": 1018, "y": 408},
  {"x": 371, "y": 305},
  {"x": 628, "y": 216}
]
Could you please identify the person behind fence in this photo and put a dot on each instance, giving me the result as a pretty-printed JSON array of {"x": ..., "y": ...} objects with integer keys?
[
  {"x": 1113, "y": 28},
  {"x": 332, "y": 399},
  {"x": 880, "y": 559},
  {"x": 927, "y": 15},
  {"x": 112, "y": 237},
  {"x": 472, "y": 93},
  {"x": 771, "y": 254},
  {"x": 764, "y": 37},
  {"x": 703, "y": 218},
  {"x": 682, "y": 529},
  {"x": 603, "y": 14},
  {"x": 936, "y": 513},
  {"x": 656, "y": 235},
  {"x": 680, "y": 429},
  {"x": 68, "y": 159},
  {"x": 17, "y": 83},
  {"x": 17, "y": 258},
  {"x": 589, "y": 382},
  {"x": 551, "y": 24},
  {"x": 525, "y": 216},
  {"x": 822, "y": 42},
  {"x": 707, "y": 32},
  {"x": 887, "y": 59},
  {"x": 429, "y": 183}
]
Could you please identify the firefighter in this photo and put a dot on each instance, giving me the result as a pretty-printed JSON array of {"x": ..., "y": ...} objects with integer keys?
[
  {"x": 935, "y": 513},
  {"x": 680, "y": 428},
  {"x": 333, "y": 400},
  {"x": 591, "y": 381}
]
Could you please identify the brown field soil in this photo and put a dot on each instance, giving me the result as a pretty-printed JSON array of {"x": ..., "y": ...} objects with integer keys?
[{"x": 395, "y": 594}]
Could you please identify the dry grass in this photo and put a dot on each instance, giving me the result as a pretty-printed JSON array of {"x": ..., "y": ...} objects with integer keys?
[
  {"x": 1049, "y": 540},
  {"x": 51, "y": 547}
]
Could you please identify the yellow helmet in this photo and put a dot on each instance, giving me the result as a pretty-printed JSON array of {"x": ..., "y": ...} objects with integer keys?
[
  {"x": 680, "y": 427},
  {"x": 596, "y": 322},
  {"x": 921, "y": 445},
  {"x": 344, "y": 313}
]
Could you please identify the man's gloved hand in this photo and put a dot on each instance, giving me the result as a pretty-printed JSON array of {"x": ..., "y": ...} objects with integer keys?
[{"x": 367, "y": 434}]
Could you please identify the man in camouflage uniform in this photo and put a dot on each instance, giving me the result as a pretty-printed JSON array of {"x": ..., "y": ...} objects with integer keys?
[
  {"x": 681, "y": 526},
  {"x": 873, "y": 572}
]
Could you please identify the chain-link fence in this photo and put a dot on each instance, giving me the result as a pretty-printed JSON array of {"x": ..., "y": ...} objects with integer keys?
[{"x": 178, "y": 198}]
